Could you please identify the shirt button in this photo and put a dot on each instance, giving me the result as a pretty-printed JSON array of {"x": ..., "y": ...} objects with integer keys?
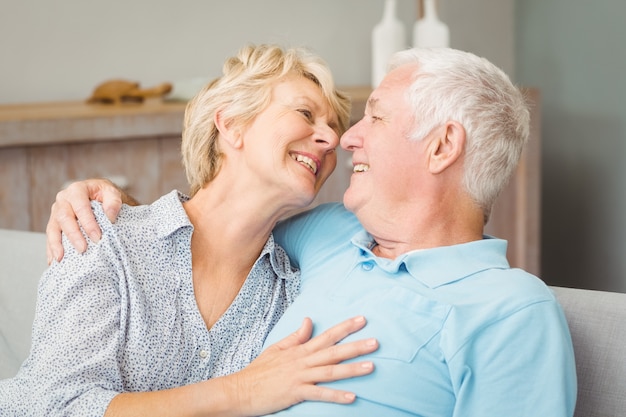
[
  {"x": 204, "y": 354},
  {"x": 368, "y": 266}
]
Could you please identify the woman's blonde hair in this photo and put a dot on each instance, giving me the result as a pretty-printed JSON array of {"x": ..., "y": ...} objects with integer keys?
[{"x": 241, "y": 93}]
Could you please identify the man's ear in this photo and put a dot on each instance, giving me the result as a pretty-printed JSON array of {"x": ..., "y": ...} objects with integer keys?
[
  {"x": 446, "y": 147},
  {"x": 230, "y": 133}
]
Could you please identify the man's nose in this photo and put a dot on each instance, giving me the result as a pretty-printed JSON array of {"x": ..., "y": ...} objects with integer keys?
[{"x": 351, "y": 139}]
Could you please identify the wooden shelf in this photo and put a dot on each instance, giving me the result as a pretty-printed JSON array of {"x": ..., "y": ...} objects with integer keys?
[{"x": 45, "y": 145}]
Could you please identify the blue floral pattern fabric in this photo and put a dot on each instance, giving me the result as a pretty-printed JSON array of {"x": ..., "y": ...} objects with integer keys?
[{"x": 123, "y": 317}]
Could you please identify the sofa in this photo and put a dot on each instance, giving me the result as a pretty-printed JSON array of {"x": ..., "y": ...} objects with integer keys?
[{"x": 597, "y": 321}]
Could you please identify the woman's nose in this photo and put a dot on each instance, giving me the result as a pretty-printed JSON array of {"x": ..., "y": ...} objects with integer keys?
[{"x": 327, "y": 138}]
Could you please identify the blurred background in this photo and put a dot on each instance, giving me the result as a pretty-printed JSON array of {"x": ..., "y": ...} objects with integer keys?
[{"x": 571, "y": 51}]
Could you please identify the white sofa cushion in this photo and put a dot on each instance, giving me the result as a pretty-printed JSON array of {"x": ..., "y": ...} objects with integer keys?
[
  {"x": 597, "y": 322},
  {"x": 22, "y": 262}
]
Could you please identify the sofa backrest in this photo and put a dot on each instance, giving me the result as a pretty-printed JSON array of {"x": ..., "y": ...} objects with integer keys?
[{"x": 597, "y": 322}]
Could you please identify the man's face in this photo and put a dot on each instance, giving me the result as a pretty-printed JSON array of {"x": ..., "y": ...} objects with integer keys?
[{"x": 387, "y": 167}]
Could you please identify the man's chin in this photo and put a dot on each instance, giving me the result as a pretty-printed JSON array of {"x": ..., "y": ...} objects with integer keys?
[{"x": 349, "y": 201}]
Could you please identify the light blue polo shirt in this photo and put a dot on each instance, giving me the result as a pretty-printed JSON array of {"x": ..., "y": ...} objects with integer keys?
[{"x": 460, "y": 332}]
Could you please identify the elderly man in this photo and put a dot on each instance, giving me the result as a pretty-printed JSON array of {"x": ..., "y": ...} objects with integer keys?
[{"x": 460, "y": 332}]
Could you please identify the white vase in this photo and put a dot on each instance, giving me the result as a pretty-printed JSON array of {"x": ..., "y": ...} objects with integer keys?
[
  {"x": 429, "y": 31},
  {"x": 388, "y": 37}
]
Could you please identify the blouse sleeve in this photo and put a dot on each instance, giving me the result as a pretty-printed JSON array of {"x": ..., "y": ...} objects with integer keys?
[{"x": 73, "y": 366}]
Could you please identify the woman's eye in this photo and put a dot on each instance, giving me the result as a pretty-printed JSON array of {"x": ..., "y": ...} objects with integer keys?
[
  {"x": 306, "y": 114},
  {"x": 376, "y": 118}
]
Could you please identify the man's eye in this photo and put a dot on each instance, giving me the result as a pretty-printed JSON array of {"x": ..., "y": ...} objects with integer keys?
[{"x": 376, "y": 118}]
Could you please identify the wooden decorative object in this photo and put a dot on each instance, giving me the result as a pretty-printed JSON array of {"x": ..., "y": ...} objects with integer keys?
[{"x": 123, "y": 91}]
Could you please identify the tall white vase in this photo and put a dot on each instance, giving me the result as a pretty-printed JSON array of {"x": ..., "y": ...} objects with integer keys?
[
  {"x": 429, "y": 31},
  {"x": 388, "y": 37}
]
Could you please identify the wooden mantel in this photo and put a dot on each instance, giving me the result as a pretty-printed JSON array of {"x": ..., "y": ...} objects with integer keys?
[
  {"x": 68, "y": 122},
  {"x": 76, "y": 121},
  {"x": 43, "y": 146}
]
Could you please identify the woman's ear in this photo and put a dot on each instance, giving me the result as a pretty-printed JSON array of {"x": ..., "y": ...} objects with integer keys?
[
  {"x": 229, "y": 132},
  {"x": 447, "y": 146}
]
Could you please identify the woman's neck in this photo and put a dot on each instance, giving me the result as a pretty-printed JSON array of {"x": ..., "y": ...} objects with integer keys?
[{"x": 229, "y": 234}]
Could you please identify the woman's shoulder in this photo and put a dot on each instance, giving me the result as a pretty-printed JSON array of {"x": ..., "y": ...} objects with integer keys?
[{"x": 137, "y": 226}]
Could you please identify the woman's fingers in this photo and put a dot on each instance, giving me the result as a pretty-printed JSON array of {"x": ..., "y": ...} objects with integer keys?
[
  {"x": 328, "y": 338},
  {"x": 337, "y": 333},
  {"x": 319, "y": 360},
  {"x": 297, "y": 338},
  {"x": 325, "y": 349},
  {"x": 288, "y": 372}
]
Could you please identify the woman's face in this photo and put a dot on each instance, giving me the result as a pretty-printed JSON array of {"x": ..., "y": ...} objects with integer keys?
[{"x": 290, "y": 145}]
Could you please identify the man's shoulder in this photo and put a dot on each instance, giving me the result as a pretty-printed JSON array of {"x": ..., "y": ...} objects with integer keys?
[
  {"x": 498, "y": 294},
  {"x": 319, "y": 228},
  {"x": 333, "y": 213}
]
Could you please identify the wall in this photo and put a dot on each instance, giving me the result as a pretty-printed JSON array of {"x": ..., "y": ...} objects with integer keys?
[
  {"x": 60, "y": 50},
  {"x": 574, "y": 51}
]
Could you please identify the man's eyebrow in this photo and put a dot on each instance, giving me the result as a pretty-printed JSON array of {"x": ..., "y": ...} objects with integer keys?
[{"x": 372, "y": 102}]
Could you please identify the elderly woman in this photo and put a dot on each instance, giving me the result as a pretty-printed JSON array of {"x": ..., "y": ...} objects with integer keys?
[{"x": 164, "y": 314}]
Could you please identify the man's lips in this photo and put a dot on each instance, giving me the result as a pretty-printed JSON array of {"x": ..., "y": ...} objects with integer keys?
[{"x": 360, "y": 168}]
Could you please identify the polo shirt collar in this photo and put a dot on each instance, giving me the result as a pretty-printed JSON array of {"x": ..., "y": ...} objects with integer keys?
[{"x": 433, "y": 267}]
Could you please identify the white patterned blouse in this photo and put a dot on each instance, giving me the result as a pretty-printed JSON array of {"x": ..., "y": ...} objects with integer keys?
[{"x": 123, "y": 317}]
